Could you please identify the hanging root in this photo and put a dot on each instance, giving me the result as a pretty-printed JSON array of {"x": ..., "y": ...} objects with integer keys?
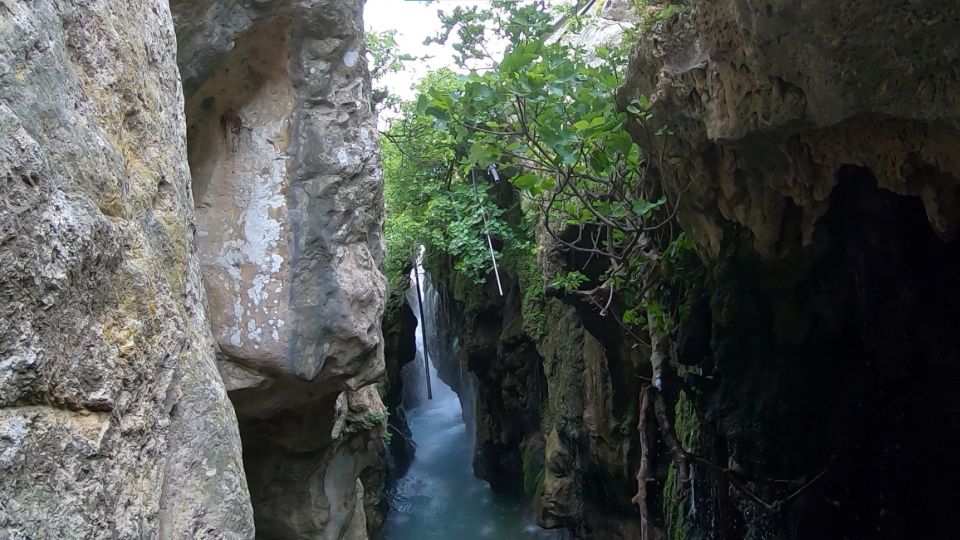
[
  {"x": 681, "y": 459},
  {"x": 643, "y": 474},
  {"x": 651, "y": 396},
  {"x": 658, "y": 348}
]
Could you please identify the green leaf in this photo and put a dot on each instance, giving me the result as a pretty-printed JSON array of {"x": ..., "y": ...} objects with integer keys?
[
  {"x": 643, "y": 207},
  {"x": 567, "y": 155},
  {"x": 526, "y": 181},
  {"x": 620, "y": 142},
  {"x": 437, "y": 112}
]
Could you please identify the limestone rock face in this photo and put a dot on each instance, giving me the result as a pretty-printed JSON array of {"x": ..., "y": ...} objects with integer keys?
[
  {"x": 816, "y": 148},
  {"x": 113, "y": 418},
  {"x": 606, "y": 25},
  {"x": 304, "y": 466},
  {"x": 400, "y": 348},
  {"x": 284, "y": 155},
  {"x": 553, "y": 414},
  {"x": 591, "y": 441},
  {"x": 768, "y": 102}
]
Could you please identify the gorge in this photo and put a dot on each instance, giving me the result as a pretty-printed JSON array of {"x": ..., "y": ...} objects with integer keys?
[
  {"x": 428, "y": 500},
  {"x": 725, "y": 303}
]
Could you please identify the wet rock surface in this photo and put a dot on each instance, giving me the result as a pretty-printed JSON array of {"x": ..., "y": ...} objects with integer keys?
[
  {"x": 555, "y": 415},
  {"x": 399, "y": 335}
]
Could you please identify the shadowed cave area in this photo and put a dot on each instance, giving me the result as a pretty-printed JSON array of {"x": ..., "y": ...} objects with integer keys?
[{"x": 848, "y": 367}]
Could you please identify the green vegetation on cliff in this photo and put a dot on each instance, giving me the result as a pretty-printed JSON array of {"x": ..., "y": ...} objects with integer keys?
[
  {"x": 548, "y": 114},
  {"x": 434, "y": 202},
  {"x": 548, "y": 117}
]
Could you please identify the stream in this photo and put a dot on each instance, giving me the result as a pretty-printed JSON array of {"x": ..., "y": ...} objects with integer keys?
[{"x": 440, "y": 498}]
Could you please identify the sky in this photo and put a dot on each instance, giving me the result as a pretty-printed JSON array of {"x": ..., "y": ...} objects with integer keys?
[{"x": 414, "y": 21}]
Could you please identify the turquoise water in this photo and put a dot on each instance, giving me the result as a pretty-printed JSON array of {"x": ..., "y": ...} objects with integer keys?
[{"x": 440, "y": 498}]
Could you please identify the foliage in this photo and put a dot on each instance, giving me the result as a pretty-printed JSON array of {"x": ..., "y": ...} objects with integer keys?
[
  {"x": 548, "y": 110},
  {"x": 532, "y": 461},
  {"x": 372, "y": 420},
  {"x": 383, "y": 57},
  {"x": 676, "y": 502},
  {"x": 570, "y": 281},
  {"x": 661, "y": 15},
  {"x": 533, "y": 305},
  {"x": 432, "y": 202},
  {"x": 480, "y": 31}
]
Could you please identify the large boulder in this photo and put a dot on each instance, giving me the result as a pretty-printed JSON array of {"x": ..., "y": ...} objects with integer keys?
[{"x": 285, "y": 161}]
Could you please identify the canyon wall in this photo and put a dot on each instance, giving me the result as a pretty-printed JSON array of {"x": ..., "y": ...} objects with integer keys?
[
  {"x": 400, "y": 351},
  {"x": 811, "y": 148},
  {"x": 285, "y": 161},
  {"x": 814, "y": 155},
  {"x": 548, "y": 390},
  {"x": 113, "y": 417},
  {"x": 133, "y": 200},
  {"x": 552, "y": 387},
  {"x": 551, "y": 402}
]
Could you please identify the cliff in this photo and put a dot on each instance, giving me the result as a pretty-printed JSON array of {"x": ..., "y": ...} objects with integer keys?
[
  {"x": 157, "y": 228},
  {"x": 113, "y": 418},
  {"x": 284, "y": 155},
  {"x": 813, "y": 149}
]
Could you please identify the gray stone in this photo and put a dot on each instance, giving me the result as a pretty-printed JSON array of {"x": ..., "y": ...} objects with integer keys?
[
  {"x": 285, "y": 163},
  {"x": 768, "y": 101},
  {"x": 113, "y": 418},
  {"x": 285, "y": 160}
]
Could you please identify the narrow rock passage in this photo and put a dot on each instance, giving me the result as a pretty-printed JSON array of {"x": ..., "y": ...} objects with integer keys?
[{"x": 439, "y": 498}]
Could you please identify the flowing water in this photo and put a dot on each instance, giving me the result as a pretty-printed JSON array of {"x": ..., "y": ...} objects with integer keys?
[{"x": 439, "y": 498}]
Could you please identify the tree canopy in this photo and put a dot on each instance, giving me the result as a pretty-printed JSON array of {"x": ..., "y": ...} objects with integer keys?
[{"x": 544, "y": 114}]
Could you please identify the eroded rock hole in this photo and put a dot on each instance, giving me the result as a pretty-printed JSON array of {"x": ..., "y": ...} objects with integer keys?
[
  {"x": 895, "y": 361},
  {"x": 857, "y": 376}
]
